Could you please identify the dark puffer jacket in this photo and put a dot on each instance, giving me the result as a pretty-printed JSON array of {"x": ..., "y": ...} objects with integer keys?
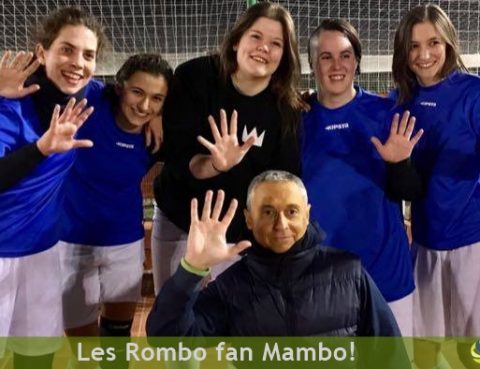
[{"x": 309, "y": 290}]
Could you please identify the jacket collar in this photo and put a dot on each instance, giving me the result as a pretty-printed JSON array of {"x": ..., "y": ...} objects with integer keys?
[{"x": 280, "y": 269}]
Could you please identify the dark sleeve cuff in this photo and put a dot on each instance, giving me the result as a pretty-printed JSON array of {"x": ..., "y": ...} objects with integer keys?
[
  {"x": 403, "y": 181},
  {"x": 18, "y": 164}
]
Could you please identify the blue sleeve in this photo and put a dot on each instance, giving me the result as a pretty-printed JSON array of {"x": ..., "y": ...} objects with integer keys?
[
  {"x": 17, "y": 157},
  {"x": 474, "y": 113},
  {"x": 182, "y": 309}
]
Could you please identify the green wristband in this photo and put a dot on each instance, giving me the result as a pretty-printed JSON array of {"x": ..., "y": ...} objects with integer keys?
[{"x": 189, "y": 268}]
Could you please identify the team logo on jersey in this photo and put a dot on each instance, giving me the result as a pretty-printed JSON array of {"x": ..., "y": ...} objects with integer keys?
[
  {"x": 334, "y": 127},
  {"x": 125, "y": 145},
  {"x": 258, "y": 139},
  {"x": 431, "y": 104},
  {"x": 475, "y": 352}
]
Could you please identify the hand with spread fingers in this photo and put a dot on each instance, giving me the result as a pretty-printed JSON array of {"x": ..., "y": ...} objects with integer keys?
[
  {"x": 154, "y": 132},
  {"x": 225, "y": 152},
  {"x": 14, "y": 72},
  {"x": 400, "y": 143},
  {"x": 60, "y": 136},
  {"x": 207, "y": 243}
]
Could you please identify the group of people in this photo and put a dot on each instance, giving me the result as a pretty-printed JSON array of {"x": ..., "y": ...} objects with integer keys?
[{"x": 330, "y": 170}]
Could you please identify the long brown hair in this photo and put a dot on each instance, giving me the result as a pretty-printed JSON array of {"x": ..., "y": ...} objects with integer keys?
[
  {"x": 285, "y": 80},
  {"x": 405, "y": 80}
]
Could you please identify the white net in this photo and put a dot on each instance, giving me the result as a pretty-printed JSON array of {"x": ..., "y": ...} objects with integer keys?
[{"x": 182, "y": 29}]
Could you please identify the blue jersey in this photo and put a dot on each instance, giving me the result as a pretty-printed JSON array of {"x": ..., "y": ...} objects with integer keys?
[
  {"x": 30, "y": 210},
  {"x": 345, "y": 179},
  {"x": 103, "y": 204},
  {"x": 448, "y": 160}
]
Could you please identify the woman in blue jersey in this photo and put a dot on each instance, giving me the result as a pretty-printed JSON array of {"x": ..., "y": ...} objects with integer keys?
[
  {"x": 433, "y": 83},
  {"x": 253, "y": 80},
  {"x": 102, "y": 253},
  {"x": 344, "y": 174},
  {"x": 36, "y": 142}
]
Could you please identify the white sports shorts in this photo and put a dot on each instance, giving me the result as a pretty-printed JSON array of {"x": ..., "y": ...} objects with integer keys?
[
  {"x": 448, "y": 292},
  {"x": 92, "y": 275},
  {"x": 31, "y": 302}
]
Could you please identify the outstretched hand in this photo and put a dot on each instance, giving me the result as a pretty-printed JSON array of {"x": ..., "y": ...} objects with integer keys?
[
  {"x": 207, "y": 243},
  {"x": 225, "y": 152},
  {"x": 60, "y": 136},
  {"x": 14, "y": 72},
  {"x": 400, "y": 143}
]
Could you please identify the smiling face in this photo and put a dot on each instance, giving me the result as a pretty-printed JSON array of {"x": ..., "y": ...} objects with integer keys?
[
  {"x": 141, "y": 98},
  {"x": 427, "y": 53},
  {"x": 278, "y": 215},
  {"x": 260, "y": 50},
  {"x": 334, "y": 67},
  {"x": 71, "y": 58}
]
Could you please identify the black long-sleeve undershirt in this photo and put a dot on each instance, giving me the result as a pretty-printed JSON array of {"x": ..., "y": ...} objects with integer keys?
[
  {"x": 403, "y": 181},
  {"x": 18, "y": 164}
]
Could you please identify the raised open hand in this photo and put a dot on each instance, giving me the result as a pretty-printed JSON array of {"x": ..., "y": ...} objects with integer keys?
[
  {"x": 226, "y": 152},
  {"x": 400, "y": 143},
  {"x": 207, "y": 243},
  {"x": 60, "y": 136},
  {"x": 14, "y": 72}
]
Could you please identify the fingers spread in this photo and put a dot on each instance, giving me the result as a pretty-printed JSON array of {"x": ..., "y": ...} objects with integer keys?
[
  {"x": 83, "y": 117},
  {"x": 403, "y": 123},
  {"x": 410, "y": 127},
  {"x": 29, "y": 90},
  {"x": 207, "y": 206},
  {"x": 194, "y": 210},
  {"x": 17, "y": 61},
  {"x": 210, "y": 146},
  {"x": 32, "y": 67},
  {"x": 223, "y": 122},
  {"x": 227, "y": 219},
  {"x": 247, "y": 145},
  {"x": 233, "y": 123},
  {"x": 24, "y": 61},
  {"x": 55, "y": 116},
  {"x": 5, "y": 59},
  {"x": 394, "y": 126},
  {"x": 214, "y": 129},
  {"x": 417, "y": 137},
  {"x": 67, "y": 112},
  {"x": 217, "y": 209},
  {"x": 82, "y": 144},
  {"x": 239, "y": 247},
  {"x": 376, "y": 142},
  {"x": 79, "y": 107}
]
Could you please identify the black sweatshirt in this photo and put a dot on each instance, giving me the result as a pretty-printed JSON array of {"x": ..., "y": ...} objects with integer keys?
[{"x": 198, "y": 91}]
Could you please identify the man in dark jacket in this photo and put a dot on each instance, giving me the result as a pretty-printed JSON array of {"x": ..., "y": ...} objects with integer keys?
[{"x": 286, "y": 284}]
